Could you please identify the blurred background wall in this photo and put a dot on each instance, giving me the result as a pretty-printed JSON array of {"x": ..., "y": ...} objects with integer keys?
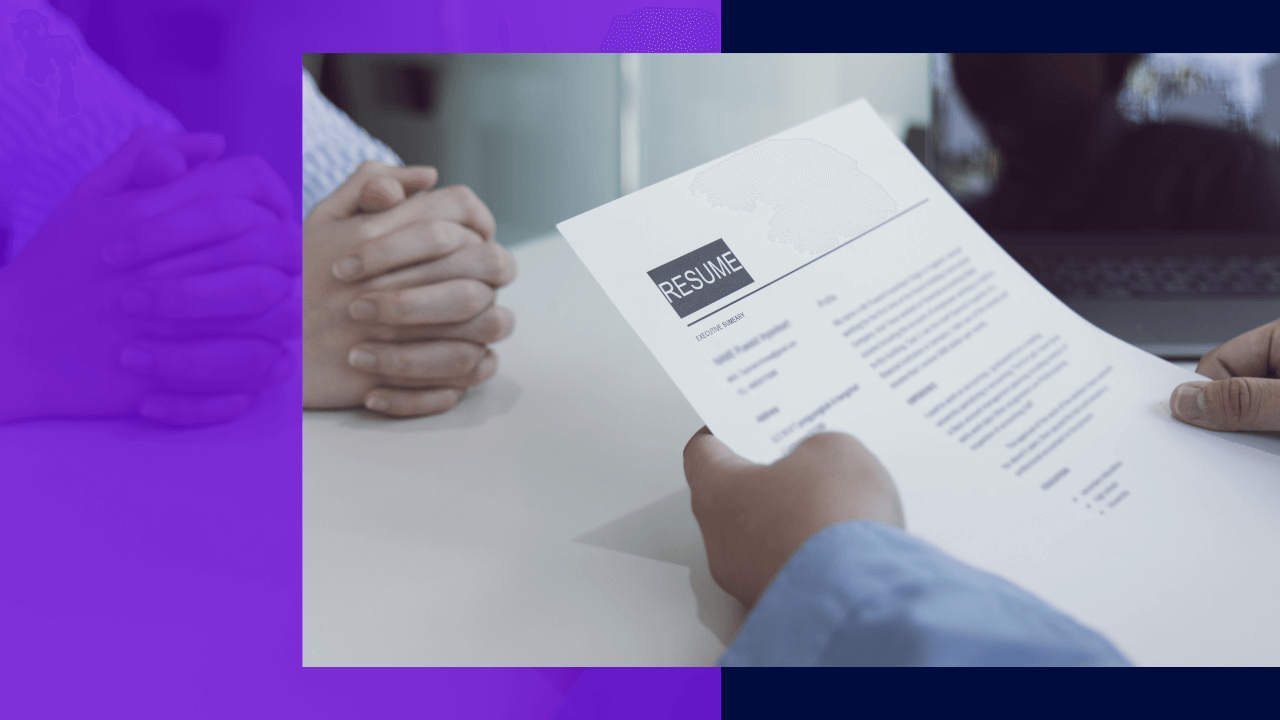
[
  {"x": 544, "y": 137},
  {"x": 694, "y": 109}
]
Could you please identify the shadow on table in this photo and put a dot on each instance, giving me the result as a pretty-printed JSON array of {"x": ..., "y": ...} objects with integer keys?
[
  {"x": 665, "y": 530},
  {"x": 491, "y": 399}
]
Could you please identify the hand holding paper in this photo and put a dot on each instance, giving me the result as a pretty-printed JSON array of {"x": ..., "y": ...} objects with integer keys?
[
  {"x": 1021, "y": 439},
  {"x": 754, "y": 517},
  {"x": 1245, "y": 392}
]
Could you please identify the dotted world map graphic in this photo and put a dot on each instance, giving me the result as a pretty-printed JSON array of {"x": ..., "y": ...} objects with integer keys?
[{"x": 818, "y": 195}]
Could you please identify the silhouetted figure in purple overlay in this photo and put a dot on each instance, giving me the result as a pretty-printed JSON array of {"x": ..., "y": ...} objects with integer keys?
[{"x": 46, "y": 54}]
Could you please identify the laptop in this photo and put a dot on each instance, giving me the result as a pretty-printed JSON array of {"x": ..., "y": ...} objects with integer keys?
[
  {"x": 1175, "y": 294},
  {"x": 1175, "y": 297}
]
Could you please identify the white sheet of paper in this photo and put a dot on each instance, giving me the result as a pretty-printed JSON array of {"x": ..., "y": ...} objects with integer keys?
[{"x": 1023, "y": 439}]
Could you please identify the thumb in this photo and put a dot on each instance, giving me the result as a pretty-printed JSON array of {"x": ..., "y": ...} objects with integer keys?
[
  {"x": 149, "y": 158},
  {"x": 380, "y": 193},
  {"x": 158, "y": 165},
  {"x": 1238, "y": 403},
  {"x": 350, "y": 197},
  {"x": 709, "y": 462}
]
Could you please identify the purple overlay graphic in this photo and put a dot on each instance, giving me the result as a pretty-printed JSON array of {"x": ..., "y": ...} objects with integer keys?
[
  {"x": 154, "y": 290},
  {"x": 664, "y": 30},
  {"x": 46, "y": 55},
  {"x": 150, "y": 441},
  {"x": 508, "y": 26}
]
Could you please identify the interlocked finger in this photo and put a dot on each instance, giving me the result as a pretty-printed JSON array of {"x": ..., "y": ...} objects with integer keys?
[
  {"x": 241, "y": 291},
  {"x": 351, "y": 197},
  {"x": 212, "y": 363},
  {"x": 275, "y": 243},
  {"x": 490, "y": 326},
  {"x": 281, "y": 321},
  {"x": 182, "y": 410},
  {"x": 478, "y": 375},
  {"x": 419, "y": 242},
  {"x": 487, "y": 262},
  {"x": 451, "y": 301},
  {"x": 247, "y": 176},
  {"x": 196, "y": 224},
  {"x": 440, "y": 362},
  {"x": 455, "y": 203},
  {"x": 123, "y": 168},
  {"x": 398, "y": 402}
]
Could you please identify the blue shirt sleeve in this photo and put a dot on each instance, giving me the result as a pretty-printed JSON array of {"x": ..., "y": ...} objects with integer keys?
[{"x": 863, "y": 593}]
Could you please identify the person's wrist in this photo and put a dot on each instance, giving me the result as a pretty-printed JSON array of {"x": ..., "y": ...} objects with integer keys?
[{"x": 882, "y": 510}]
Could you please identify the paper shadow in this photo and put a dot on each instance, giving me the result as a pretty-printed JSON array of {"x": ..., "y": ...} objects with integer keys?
[
  {"x": 496, "y": 397},
  {"x": 665, "y": 530},
  {"x": 1267, "y": 442}
]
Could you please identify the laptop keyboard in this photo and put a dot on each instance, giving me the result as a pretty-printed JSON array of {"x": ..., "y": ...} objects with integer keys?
[{"x": 1153, "y": 277}]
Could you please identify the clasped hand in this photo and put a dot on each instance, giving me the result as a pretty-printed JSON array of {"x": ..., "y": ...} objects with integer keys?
[
  {"x": 399, "y": 292},
  {"x": 162, "y": 287}
]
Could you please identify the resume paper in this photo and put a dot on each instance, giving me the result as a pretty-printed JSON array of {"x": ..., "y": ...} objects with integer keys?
[{"x": 821, "y": 280}]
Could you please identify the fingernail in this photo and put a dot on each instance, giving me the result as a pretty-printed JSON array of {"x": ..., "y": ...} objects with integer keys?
[
  {"x": 363, "y": 310},
  {"x": 362, "y": 358},
  {"x": 137, "y": 359},
  {"x": 138, "y": 301},
  {"x": 377, "y": 404},
  {"x": 1188, "y": 401},
  {"x": 153, "y": 410},
  {"x": 120, "y": 253},
  {"x": 347, "y": 268}
]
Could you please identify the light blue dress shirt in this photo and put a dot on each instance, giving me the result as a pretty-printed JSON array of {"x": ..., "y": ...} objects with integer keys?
[
  {"x": 333, "y": 146},
  {"x": 863, "y": 593}
]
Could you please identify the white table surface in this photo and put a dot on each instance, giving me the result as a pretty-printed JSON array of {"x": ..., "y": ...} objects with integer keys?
[{"x": 543, "y": 521}]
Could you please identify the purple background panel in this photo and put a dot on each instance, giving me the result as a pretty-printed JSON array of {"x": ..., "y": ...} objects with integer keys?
[
  {"x": 155, "y": 572},
  {"x": 490, "y": 25}
]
